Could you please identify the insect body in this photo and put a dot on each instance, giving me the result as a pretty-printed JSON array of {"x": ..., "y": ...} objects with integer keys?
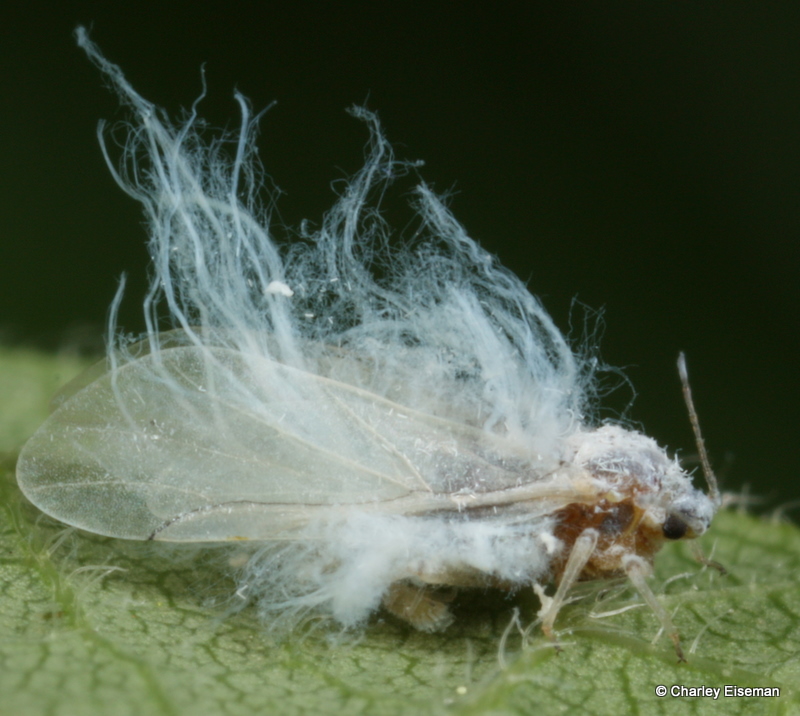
[{"x": 378, "y": 438}]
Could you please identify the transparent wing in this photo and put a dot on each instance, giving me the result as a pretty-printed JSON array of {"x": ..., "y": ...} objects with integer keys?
[{"x": 210, "y": 444}]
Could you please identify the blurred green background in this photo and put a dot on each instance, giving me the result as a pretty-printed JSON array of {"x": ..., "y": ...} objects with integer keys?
[{"x": 640, "y": 156}]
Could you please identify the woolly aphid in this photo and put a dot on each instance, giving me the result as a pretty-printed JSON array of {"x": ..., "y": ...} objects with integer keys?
[{"x": 379, "y": 420}]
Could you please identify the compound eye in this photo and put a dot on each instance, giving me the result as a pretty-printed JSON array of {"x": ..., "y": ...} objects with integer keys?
[{"x": 674, "y": 528}]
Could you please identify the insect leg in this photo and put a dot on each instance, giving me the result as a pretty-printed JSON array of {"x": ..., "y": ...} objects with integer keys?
[
  {"x": 581, "y": 553},
  {"x": 419, "y": 606},
  {"x": 637, "y": 570}
]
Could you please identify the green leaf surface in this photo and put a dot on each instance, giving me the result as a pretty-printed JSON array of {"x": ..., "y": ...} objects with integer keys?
[{"x": 96, "y": 626}]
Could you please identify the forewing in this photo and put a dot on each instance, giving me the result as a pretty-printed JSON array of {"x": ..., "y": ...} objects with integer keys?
[{"x": 191, "y": 444}]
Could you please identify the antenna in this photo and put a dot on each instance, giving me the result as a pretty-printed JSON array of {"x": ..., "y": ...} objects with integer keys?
[{"x": 713, "y": 489}]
